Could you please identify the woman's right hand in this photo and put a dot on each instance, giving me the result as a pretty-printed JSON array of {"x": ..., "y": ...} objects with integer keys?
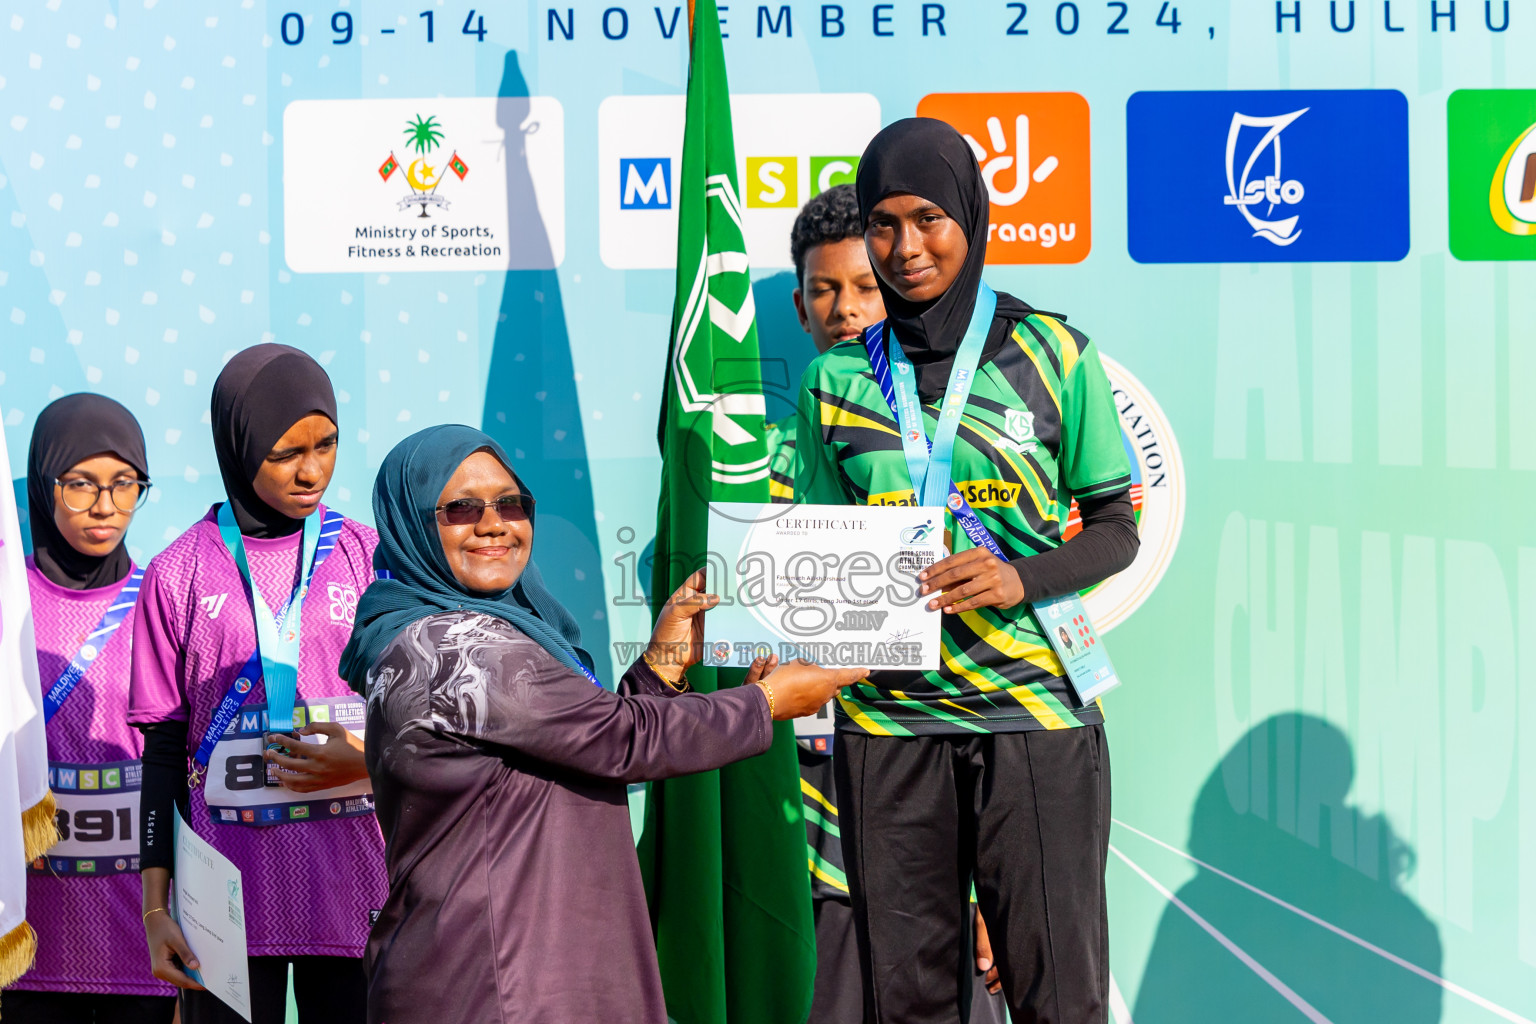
[
  {"x": 165, "y": 942},
  {"x": 800, "y": 687}
]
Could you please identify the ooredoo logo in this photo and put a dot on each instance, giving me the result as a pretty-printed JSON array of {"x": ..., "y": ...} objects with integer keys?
[{"x": 1033, "y": 151}]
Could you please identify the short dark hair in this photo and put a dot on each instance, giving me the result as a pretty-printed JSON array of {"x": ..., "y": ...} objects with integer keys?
[{"x": 829, "y": 217}]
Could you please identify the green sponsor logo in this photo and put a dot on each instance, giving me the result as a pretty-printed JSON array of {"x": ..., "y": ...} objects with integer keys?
[
  {"x": 85, "y": 867},
  {"x": 830, "y": 171},
  {"x": 298, "y": 812},
  {"x": 1491, "y": 138}
]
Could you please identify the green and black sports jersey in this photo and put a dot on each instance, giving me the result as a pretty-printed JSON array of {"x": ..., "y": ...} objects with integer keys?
[{"x": 1040, "y": 429}]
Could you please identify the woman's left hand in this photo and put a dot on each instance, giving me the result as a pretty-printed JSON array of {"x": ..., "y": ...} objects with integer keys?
[
  {"x": 677, "y": 642},
  {"x": 974, "y": 578},
  {"x": 336, "y": 762}
]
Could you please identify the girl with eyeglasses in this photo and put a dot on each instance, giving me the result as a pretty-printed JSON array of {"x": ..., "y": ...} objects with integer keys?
[
  {"x": 248, "y": 730},
  {"x": 86, "y": 476},
  {"x": 500, "y": 761}
]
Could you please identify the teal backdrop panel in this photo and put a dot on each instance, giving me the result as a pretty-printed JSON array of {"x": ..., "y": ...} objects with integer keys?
[{"x": 1302, "y": 234}]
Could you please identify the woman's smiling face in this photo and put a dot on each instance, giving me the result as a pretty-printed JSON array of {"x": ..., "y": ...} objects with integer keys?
[
  {"x": 489, "y": 555},
  {"x": 915, "y": 246}
]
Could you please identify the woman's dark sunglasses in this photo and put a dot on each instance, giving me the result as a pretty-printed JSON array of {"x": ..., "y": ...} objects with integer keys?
[{"x": 512, "y": 508}]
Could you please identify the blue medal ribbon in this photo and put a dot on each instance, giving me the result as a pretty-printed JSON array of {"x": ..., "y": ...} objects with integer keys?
[
  {"x": 276, "y": 659},
  {"x": 95, "y": 642},
  {"x": 929, "y": 462}
]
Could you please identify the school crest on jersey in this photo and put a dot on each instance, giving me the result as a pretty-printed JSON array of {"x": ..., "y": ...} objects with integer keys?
[{"x": 1019, "y": 426}]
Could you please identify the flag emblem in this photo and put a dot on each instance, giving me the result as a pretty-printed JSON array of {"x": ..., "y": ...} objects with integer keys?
[
  {"x": 458, "y": 166},
  {"x": 388, "y": 167}
]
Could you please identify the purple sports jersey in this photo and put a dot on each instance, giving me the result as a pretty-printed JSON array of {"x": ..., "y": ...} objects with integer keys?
[
  {"x": 311, "y": 881},
  {"x": 90, "y": 938}
]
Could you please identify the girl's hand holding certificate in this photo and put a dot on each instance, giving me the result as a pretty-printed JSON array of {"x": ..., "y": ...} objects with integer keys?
[{"x": 974, "y": 578}]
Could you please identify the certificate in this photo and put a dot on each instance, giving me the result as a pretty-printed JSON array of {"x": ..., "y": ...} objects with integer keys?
[
  {"x": 835, "y": 584},
  {"x": 210, "y": 908}
]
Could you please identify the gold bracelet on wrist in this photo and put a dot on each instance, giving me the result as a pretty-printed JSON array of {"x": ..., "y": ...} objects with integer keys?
[
  {"x": 681, "y": 686},
  {"x": 156, "y": 910},
  {"x": 768, "y": 691}
]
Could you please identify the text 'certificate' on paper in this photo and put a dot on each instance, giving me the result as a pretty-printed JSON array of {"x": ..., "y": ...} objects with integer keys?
[{"x": 836, "y": 584}]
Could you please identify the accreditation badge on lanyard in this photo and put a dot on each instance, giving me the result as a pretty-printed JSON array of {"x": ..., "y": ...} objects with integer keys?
[{"x": 1063, "y": 619}]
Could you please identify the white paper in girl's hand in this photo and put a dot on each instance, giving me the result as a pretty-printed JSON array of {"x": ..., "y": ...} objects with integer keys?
[{"x": 210, "y": 907}]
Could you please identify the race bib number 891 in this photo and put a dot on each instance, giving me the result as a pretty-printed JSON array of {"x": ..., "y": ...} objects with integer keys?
[{"x": 98, "y": 818}]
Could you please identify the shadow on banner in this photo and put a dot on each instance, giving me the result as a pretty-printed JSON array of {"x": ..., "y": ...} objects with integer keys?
[
  {"x": 1274, "y": 814},
  {"x": 531, "y": 405}
]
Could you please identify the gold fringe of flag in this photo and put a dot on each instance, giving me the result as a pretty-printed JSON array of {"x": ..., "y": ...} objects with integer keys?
[
  {"x": 18, "y": 948},
  {"x": 39, "y": 829}
]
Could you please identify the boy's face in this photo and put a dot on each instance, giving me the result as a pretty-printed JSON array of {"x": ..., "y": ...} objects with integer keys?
[{"x": 838, "y": 296}]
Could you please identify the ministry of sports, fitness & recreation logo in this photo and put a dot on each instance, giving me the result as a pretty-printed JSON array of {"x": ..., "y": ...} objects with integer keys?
[
  {"x": 1157, "y": 494},
  {"x": 424, "y": 135}
]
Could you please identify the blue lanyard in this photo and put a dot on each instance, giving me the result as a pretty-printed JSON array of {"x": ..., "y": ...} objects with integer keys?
[
  {"x": 930, "y": 473},
  {"x": 929, "y": 462},
  {"x": 95, "y": 642},
  {"x": 319, "y": 540},
  {"x": 276, "y": 640}
]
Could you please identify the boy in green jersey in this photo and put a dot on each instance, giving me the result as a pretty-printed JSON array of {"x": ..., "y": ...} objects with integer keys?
[{"x": 836, "y": 297}]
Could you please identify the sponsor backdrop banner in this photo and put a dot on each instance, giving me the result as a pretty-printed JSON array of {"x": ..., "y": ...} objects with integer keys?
[{"x": 1303, "y": 234}]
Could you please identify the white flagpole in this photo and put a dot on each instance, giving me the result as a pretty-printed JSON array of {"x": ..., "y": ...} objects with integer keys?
[{"x": 24, "y": 795}]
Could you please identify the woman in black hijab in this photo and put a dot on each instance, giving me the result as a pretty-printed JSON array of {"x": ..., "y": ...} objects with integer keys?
[
  {"x": 295, "y": 817},
  {"x": 86, "y": 476},
  {"x": 988, "y": 770}
]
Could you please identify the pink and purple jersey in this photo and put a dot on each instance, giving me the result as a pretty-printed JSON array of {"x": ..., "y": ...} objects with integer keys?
[
  {"x": 312, "y": 880},
  {"x": 84, "y": 907}
]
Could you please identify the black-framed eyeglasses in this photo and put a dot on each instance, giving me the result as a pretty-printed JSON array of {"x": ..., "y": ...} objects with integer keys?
[
  {"x": 512, "y": 508},
  {"x": 79, "y": 494}
]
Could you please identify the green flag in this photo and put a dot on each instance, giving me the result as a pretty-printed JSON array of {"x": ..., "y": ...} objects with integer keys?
[{"x": 723, "y": 852}]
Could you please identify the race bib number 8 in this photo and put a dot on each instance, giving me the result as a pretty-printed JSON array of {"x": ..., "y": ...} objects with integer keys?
[
  {"x": 98, "y": 819},
  {"x": 236, "y": 789}
]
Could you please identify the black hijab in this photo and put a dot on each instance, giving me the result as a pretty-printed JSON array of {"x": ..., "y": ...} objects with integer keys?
[
  {"x": 262, "y": 392},
  {"x": 69, "y": 431},
  {"x": 928, "y": 158}
]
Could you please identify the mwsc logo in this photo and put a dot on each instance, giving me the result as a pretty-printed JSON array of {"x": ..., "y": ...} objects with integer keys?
[
  {"x": 790, "y": 147},
  {"x": 645, "y": 183}
]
